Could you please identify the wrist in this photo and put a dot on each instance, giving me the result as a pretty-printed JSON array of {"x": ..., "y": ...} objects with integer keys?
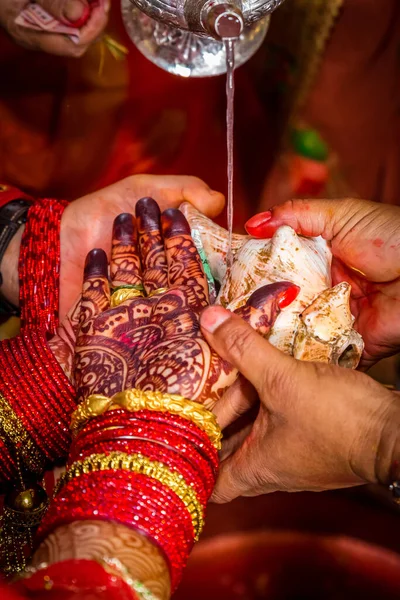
[{"x": 387, "y": 462}]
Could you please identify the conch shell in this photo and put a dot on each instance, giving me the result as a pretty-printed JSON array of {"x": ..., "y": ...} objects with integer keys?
[{"x": 318, "y": 325}]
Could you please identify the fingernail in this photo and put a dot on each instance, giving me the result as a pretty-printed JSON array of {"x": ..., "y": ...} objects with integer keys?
[
  {"x": 173, "y": 222},
  {"x": 148, "y": 214},
  {"x": 214, "y": 317},
  {"x": 124, "y": 228},
  {"x": 76, "y": 13},
  {"x": 281, "y": 292},
  {"x": 288, "y": 295},
  {"x": 106, "y": 6},
  {"x": 257, "y": 221},
  {"x": 96, "y": 264}
]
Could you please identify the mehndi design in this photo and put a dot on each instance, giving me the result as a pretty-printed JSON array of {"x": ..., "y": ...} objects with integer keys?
[{"x": 155, "y": 343}]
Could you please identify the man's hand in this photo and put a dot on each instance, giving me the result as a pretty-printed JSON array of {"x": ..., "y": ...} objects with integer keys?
[
  {"x": 69, "y": 12},
  {"x": 365, "y": 239},
  {"x": 318, "y": 426},
  {"x": 86, "y": 224}
]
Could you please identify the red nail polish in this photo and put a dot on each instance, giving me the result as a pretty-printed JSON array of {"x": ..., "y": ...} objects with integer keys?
[
  {"x": 288, "y": 295},
  {"x": 258, "y": 221}
]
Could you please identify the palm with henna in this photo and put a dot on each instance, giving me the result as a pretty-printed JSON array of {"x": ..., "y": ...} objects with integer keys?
[
  {"x": 365, "y": 241},
  {"x": 154, "y": 342}
]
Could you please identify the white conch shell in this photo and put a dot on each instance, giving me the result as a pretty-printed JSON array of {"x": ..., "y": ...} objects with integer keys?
[{"x": 318, "y": 325}]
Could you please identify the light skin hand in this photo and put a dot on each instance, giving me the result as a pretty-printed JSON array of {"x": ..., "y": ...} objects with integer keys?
[
  {"x": 318, "y": 426},
  {"x": 365, "y": 240},
  {"x": 86, "y": 224},
  {"x": 66, "y": 11}
]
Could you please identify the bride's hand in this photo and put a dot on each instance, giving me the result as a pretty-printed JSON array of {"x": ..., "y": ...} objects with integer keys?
[{"x": 153, "y": 341}]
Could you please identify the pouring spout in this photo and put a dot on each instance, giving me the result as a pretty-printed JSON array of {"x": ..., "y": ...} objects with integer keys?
[{"x": 223, "y": 21}]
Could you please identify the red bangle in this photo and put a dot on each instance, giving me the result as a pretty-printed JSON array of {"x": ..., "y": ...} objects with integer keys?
[
  {"x": 133, "y": 500},
  {"x": 80, "y": 579},
  {"x": 167, "y": 428},
  {"x": 39, "y": 265},
  {"x": 39, "y": 395},
  {"x": 194, "y": 477}
]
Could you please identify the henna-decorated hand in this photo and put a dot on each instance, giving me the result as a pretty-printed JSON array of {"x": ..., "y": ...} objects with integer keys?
[{"x": 155, "y": 343}]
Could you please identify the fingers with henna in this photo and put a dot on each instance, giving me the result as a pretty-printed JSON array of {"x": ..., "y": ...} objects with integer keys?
[
  {"x": 264, "y": 305},
  {"x": 151, "y": 246},
  {"x": 125, "y": 262},
  {"x": 184, "y": 263},
  {"x": 96, "y": 289},
  {"x": 260, "y": 311}
]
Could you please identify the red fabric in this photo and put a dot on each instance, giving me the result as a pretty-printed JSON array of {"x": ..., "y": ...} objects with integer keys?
[
  {"x": 71, "y": 580},
  {"x": 9, "y": 193}
]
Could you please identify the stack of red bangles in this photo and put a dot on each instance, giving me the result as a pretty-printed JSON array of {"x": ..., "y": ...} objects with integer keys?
[
  {"x": 149, "y": 463},
  {"x": 36, "y": 398}
]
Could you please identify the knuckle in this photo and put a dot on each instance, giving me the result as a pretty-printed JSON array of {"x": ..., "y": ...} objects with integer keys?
[
  {"x": 238, "y": 341},
  {"x": 220, "y": 497},
  {"x": 277, "y": 381},
  {"x": 78, "y": 51}
]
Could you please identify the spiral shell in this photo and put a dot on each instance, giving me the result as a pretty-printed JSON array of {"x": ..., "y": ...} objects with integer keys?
[{"x": 318, "y": 325}]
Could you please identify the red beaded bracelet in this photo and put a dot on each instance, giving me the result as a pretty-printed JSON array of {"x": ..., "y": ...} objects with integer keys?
[
  {"x": 38, "y": 393},
  {"x": 39, "y": 265}
]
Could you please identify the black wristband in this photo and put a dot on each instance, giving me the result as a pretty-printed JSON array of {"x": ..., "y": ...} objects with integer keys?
[{"x": 12, "y": 216}]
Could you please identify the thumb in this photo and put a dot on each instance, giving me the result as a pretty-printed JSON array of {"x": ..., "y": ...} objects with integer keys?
[
  {"x": 70, "y": 12},
  {"x": 236, "y": 342}
]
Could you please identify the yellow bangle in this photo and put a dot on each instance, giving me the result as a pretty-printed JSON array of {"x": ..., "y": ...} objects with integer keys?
[
  {"x": 137, "y": 463},
  {"x": 135, "y": 400}
]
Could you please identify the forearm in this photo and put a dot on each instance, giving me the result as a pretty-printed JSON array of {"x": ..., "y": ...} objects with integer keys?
[{"x": 107, "y": 542}]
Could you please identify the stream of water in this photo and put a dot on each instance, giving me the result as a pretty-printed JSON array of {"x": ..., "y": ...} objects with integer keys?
[{"x": 230, "y": 94}]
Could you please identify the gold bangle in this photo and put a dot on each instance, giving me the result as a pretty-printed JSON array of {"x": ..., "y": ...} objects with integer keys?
[
  {"x": 135, "y": 400},
  {"x": 157, "y": 292},
  {"x": 123, "y": 294},
  {"x": 138, "y": 463},
  {"x": 14, "y": 435}
]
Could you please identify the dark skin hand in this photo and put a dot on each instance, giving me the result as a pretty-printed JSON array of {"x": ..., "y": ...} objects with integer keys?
[
  {"x": 365, "y": 240},
  {"x": 315, "y": 426}
]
